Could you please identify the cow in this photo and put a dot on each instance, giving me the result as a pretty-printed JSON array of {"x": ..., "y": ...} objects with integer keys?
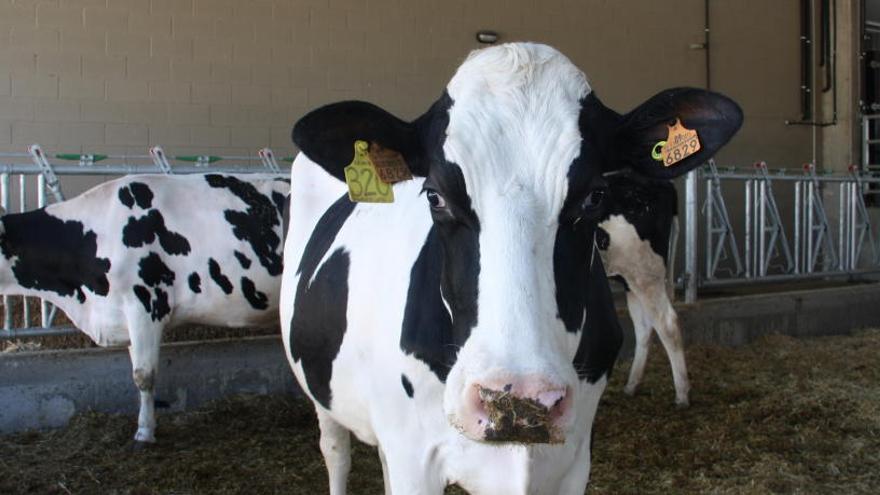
[
  {"x": 467, "y": 328},
  {"x": 133, "y": 256},
  {"x": 635, "y": 238}
]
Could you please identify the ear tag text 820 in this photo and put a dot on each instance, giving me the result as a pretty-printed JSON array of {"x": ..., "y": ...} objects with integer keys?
[
  {"x": 364, "y": 184},
  {"x": 680, "y": 144}
]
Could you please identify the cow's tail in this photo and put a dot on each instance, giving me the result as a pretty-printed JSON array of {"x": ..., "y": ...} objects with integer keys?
[{"x": 670, "y": 258}]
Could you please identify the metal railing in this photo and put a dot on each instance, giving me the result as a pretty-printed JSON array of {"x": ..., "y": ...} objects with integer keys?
[
  {"x": 793, "y": 225},
  {"x": 822, "y": 244},
  {"x": 22, "y": 169}
]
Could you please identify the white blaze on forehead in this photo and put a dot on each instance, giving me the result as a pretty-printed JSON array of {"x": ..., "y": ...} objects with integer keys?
[{"x": 514, "y": 122}]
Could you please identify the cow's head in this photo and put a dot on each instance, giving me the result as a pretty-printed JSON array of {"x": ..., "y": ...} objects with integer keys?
[{"x": 513, "y": 155}]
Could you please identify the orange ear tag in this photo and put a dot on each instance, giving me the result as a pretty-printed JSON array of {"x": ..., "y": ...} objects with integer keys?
[
  {"x": 390, "y": 165},
  {"x": 363, "y": 182},
  {"x": 680, "y": 144}
]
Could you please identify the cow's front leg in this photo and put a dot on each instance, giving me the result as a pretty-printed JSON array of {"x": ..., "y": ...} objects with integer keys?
[
  {"x": 336, "y": 447},
  {"x": 146, "y": 338},
  {"x": 385, "y": 479}
]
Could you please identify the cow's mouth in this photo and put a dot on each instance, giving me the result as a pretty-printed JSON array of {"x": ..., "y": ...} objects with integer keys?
[{"x": 517, "y": 420}]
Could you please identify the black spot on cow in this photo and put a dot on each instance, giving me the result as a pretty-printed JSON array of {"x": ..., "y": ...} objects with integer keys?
[
  {"x": 429, "y": 332},
  {"x": 195, "y": 282},
  {"x": 146, "y": 229},
  {"x": 153, "y": 271},
  {"x": 242, "y": 259},
  {"x": 255, "y": 225},
  {"x": 161, "y": 308},
  {"x": 407, "y": 385},
  {"x": 257, "y": 299},
  {"x": 143, "y": 294},
  {"x": 143, "y": 196},
  {"x": 280, "y": 201},
  {"x": 217, "y": 276},
  {"x": 319, "y": 322},
  {"x": 125, "y": 197},
  {"x": 54, "y": 255}
]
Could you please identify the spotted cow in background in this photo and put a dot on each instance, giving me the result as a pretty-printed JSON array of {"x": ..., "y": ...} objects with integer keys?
[
  {"x": 635, "y": 237},
  {"x": 139, "y": 254},
  {"x": 467, "y": 329}
]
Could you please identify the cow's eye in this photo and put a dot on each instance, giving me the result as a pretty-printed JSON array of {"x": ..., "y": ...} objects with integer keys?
[
  {"x": 436, "y": 201},
  {"x": 593, "y": 200}
]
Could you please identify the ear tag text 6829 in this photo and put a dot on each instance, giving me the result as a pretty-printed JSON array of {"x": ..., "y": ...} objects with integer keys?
[
  {"x": 364, "y": 184},
  {"x": 680, "y": 144}
]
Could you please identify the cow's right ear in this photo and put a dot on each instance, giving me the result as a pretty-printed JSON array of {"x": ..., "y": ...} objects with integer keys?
[{"x": 327, "y": 135}]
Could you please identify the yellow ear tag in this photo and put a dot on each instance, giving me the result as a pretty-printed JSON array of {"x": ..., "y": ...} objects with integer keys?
[
  {"x": 680, "y": 144},
  {"x": 364, "y": 185}
]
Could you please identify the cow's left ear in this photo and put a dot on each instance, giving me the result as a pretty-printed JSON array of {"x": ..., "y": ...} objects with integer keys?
[
  {"x": 642, "y": 133},
  {"x": 327, "y": 135}
]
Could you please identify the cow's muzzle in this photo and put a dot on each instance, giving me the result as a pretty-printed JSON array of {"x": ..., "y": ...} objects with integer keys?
[{"x": 519, "y": 411}]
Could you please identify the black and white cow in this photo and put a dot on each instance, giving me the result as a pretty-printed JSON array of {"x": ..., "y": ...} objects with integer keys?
[
  {"x": 135, "y": 255},
  {"x": 634, "y": 239},
  {"x": 474, "y": 310}
]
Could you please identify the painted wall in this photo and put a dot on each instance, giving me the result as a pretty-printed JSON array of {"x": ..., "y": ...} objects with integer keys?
[{"x": 231, "y": 76}]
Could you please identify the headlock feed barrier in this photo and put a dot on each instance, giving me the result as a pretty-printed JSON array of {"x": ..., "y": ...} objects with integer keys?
[
  {"x": 47, "y": 170},
  {"x": 747, "y": 226}
]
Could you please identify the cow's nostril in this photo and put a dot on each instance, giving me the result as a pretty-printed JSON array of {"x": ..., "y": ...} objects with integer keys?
[{"x": 551, "y": 398}]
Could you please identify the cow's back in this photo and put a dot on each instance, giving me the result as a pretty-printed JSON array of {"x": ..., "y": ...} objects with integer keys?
[{"x": 182, "y": 249}]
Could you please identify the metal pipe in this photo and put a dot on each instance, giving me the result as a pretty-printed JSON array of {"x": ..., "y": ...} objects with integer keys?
[
  {"x": 708, "y": 207},
  {"x": 785, "y": 277},
  {"x": 761, "y": 230},
  {"x": 22, "y": 207},
  {"x": 748, "y": 233},
  {"x": 808, "y": 257},
  {"x": 690, "y": 237},
  {"x": 842, "y": 223},
  {"x": 706, "y": 46},
  {"x": 32, "y": 332},
  {"x": 121, "y": 169},
  {"x": 4, "y": 202},
  {"x": 854, "y": 245},
  {"x": 41, "y": 202},
  {"x": 797, "y": 225}
]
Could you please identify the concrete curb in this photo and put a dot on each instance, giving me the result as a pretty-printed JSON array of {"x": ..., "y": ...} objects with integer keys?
[{"x": 45, "y": 388}]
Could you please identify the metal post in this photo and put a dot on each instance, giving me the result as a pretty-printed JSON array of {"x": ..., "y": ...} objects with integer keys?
[
  {"x": 797, "y": 225},
  {"x": 748, "y": 234},
  {"x": 866, "y": 148},
  {"x": 22, "y": 207},
  {"x": 41, "y": 202},
  {"x": 853, "y": 240},
  {"x": 762, "y": 228},
  {"x": 690, "y": 237},
  {"x": 808, "y": 256},
  {"x": 709, "y": 208},
  {"x": 4, "y": 202},
  {"x": 842, "y": 224}
]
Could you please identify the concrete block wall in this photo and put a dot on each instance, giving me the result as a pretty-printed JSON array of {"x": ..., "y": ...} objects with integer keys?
[{"x": 230, "y": 76}]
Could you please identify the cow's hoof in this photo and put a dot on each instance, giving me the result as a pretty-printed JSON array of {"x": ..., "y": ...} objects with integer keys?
[
  {"x": 144, "y": 435},
  {"x": 138, "y": 446},
  {"x": 682, "y": 403},
  {"x": 630, "y": 390}
]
